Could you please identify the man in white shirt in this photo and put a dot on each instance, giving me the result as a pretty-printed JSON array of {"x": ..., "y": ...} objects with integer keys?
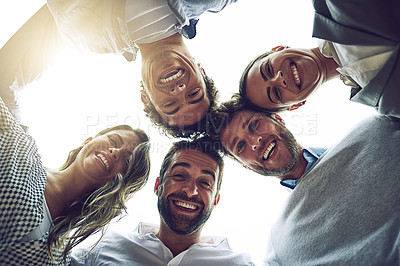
[
  {"x": 188, "y": 190},
  {"x": 176, "y": 92}
]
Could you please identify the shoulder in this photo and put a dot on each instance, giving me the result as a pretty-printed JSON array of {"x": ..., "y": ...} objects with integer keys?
[{"x": 218, "y": 253}]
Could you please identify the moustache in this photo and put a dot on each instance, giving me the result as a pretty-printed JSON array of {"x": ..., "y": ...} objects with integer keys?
[{"x": 183, "y": 196}]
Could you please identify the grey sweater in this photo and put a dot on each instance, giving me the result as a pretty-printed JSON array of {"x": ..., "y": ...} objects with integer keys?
[{"x": 346, "y": 209}]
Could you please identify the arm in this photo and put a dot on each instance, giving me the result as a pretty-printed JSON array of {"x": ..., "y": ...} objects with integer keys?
[
  {"x": 98, "y": 26},
  {"x": 26, "y": 55},
  {"x": 22, "y": 181}
]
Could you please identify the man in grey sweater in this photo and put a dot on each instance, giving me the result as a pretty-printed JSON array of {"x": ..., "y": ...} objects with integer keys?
[{"x": 344, "y": 208}]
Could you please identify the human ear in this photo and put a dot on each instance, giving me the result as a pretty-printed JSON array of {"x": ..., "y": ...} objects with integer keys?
[
  {"x": 216, "y": 200},
  {"x": 279, "y": 48},
  {"x": 144, "y": 97},
  {"x": 89, "y": 139},
  {"x": 201, "y": 70},
  {"x": 296, "y": 106},
  {"x": 279, "y": 118},
  {"x": 157, "y": 186}
]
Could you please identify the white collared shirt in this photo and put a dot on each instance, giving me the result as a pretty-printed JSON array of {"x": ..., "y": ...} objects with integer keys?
[
  {"x": 149, "y": 21},
  {"x": 142, "y": 247},
  {"x": 361, "y": 63}
]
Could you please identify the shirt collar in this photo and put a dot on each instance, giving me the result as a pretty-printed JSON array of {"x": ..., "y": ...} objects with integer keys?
[
  {"x": 150, "y": 230},
  {"x": 311, "y": 155}
]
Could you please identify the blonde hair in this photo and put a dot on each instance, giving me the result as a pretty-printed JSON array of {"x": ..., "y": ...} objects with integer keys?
[{"x": 93, "y": 211}]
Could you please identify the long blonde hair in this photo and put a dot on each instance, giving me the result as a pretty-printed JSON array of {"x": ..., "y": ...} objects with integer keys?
[{"x": 93, "y": 211}]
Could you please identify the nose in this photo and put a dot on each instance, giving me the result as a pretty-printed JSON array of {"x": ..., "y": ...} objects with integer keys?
[
  {"x": 280, "y": 79},
  {"x": 190, "y": 189},
  {"x": 179, "y": 88},
  {"x": 114, "y": 153},
  {"x": 255, "y": 142}
]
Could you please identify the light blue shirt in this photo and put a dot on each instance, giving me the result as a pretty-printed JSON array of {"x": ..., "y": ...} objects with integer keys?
[{"x": 311, "y": 155}]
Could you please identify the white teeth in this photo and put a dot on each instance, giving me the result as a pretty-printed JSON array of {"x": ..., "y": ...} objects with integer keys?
[
  {"x": 268, "y": 150},
  {"x": 296, "y": 75},
  {"x": 185, "y": 205},
  {"x": 173, "y": 77},
  {"x": 104, "y": 161}
]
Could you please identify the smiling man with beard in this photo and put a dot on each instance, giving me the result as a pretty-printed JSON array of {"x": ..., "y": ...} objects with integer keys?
[
  {"x": 188, "y": 191},
  {"x": 262, "y": 143},
  {"x": 177, "y": 95},
  {"x": 343, "y": 209}
]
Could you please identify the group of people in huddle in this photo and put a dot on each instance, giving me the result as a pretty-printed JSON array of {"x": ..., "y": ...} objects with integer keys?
[{"x": 343, "y": 208}]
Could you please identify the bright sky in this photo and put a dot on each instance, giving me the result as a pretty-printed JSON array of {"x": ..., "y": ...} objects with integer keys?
[{"x": 84, "y": 93}]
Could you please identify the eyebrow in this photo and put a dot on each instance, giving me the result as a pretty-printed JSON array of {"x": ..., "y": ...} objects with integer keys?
[
  {"x": 119, "y": 137},
  {"x": 269, "y": 95},
  {"x": 178, "y": 108},
  {"x": 198, "y": 100},
  {"x": 173, "y": 111},
  {"x": 262, "y": 73},
  {"x": 186, "y": 165},
  {"x": 208, "y": 173},
  {"x": 243, "y": 127}
]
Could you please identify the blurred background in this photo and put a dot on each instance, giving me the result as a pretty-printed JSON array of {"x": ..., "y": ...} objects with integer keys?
[{"x": 83, "y": 93}]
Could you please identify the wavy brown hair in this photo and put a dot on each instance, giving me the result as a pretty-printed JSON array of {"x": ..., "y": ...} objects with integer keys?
[
  {"x": 192, "y": 131},
  {"x": 92, "y": 212}
]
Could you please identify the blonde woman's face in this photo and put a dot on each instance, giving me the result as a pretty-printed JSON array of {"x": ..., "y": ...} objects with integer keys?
[{"x": 103, "y": 157}]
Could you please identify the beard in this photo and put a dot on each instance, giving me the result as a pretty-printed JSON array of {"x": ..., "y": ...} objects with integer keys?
[
  {"x": 178, "y": 223},
  {"x": 294, "y": 151}
]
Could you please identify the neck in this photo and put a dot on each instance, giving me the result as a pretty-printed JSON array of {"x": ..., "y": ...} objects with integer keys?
[
  {"x": 298, "y": 169},
  {"x": 148, "y": 48},
  {"x": 62, "y": 188},
  {"x": 177, "y": 243},
  {"x": 329, "y": 65}
]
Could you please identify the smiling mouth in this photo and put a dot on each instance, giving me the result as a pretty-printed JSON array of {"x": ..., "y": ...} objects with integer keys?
[
  {"x": 295, "y": 74},
  {"x": 172, "y": 76},
  {"x": 185, "y": 206},
  {"x": 269, "y": 151},
  {"x": 104, "y": 161}
]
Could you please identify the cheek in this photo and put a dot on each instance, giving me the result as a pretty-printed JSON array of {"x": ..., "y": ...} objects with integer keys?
[
  {"x": 122, "y": 168},
  {"x": 169, "y": 188},
  {"x": 292, "y": 98},
  {"x": 246, "y": 157}
]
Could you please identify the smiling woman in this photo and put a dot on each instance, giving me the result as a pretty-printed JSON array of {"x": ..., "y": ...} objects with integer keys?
[
  {"x": 82, "y": 93},
  {"x": 95, "y": 177},
  {"x": 283, "y": 77}
]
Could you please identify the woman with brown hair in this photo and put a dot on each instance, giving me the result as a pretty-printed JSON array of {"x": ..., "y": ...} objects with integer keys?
[{"x": 46, "y": 212}]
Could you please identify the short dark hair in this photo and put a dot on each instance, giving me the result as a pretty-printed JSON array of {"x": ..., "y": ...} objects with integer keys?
[
  {"x": 243, "y": 87},
  {"x": 193, "y": 131},
  {"x": 224, "y": 115},
  {"x": 204, "y": 144}
]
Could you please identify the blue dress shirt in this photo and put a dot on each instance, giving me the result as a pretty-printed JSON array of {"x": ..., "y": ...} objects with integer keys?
[{"x": 311, "y": 155}]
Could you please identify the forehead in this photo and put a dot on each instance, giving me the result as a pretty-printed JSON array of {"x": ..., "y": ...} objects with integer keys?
[
  {"x": 189, "y": 114},
  {"x": 195, "y": 160},
  {"x": 237, "y": 126},
  {"x": 128, "y": 137},
  {"x": 254, "y": 71},
  {"x": 127, "y": 134}
]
